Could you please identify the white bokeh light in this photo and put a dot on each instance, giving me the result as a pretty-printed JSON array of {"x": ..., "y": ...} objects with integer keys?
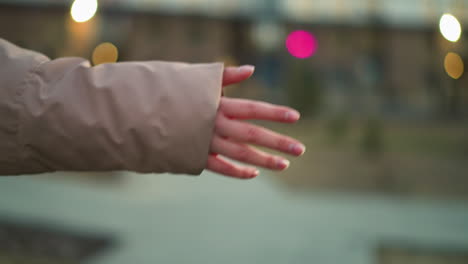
[
  {"x": 268, "y": 35},
  {"x": 83, "y": 10},
  {"x": 450, "y": 27}
]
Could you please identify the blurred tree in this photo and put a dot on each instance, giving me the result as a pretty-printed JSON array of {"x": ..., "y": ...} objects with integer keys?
[
  {"x": 372, "y": 141},
  {"x": 338, "y": 128},
  {"x": 304, "y": 91}
]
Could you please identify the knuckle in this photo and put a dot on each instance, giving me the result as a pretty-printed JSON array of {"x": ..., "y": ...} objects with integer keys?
[
  {"x": 216, "y": 144},
  {"x": 270, "y": 162},
  {"x": 252, "y": 134},
  {"x": 282, "y": 143},
  {"x": 225, "y": 104},
  {"x": 251, "y": 109},
  {"x": 246, "y": 173},
  {"x": 222, "y": 106},
  {"x": 280, "y": 113},
  {"x": 229, "y": 169},
  {"x": 220, "y": 123},
  {"x": 243, "y": 154}
]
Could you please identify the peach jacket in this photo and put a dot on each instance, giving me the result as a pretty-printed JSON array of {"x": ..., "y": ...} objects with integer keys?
[{"x": 65, "y": 115}]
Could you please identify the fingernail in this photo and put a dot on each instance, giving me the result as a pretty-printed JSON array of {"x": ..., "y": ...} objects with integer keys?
[
  {"x": 291, "y": 116},
  {"x": 297, "y": 149},
  {"x": 283, "y": 164},
  {"x": 255, "y": 173},
  {"x": 246, "y": 68}
]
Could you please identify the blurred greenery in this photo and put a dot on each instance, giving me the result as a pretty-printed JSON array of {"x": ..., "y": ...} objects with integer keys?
[
  {"x": 372, "y": 142},
  {"x": 338, "y": 128},
  {"x": 304, "y": 90}
]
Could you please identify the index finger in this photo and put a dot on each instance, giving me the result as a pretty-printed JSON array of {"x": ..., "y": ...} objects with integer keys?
[
  {"x": 233, "y": 75},
  {"x": 249, "y": 109}
]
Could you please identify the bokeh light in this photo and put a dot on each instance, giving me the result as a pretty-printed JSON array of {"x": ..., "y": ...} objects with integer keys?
[
  {"x": 105, "y": 53},
  {"x": 453, "y": 64},
  {"x": 83, "y": 10},
  {"x": 301, "y": 44},
  {"x": 450, "y": 27},
  {"x": 268, "y": 35},
  {"x": 228, "y": 60}
]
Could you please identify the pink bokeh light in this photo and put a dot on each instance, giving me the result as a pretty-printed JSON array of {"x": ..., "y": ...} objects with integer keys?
[{"x": 301, "y": 44}]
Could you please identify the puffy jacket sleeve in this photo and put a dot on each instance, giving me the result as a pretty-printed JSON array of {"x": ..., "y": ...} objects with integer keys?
[{"x": 64, "y": 115}]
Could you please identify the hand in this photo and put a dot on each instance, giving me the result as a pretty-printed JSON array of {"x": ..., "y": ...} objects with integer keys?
[{"x": 232, "y": 135}]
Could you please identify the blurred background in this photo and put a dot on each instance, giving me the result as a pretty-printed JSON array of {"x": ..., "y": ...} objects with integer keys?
[{"x": 383, "y": 92}]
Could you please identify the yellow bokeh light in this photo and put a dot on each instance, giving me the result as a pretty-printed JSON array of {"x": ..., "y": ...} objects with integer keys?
[
  {"x": 105, "y": 53},
  {"x": 228, "y": 61},
  {"x": 83, "y": 10},
  {"x": 453, "y": 64},
  {"x": 450, "y": 27}
]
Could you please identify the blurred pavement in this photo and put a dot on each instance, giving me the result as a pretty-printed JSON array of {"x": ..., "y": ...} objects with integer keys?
[{"x": 211, "y": 219}]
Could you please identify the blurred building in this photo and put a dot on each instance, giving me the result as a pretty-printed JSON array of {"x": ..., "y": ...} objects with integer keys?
[
  {"x": 375, "y": 57},
  {"x": 378, "y": 61}
]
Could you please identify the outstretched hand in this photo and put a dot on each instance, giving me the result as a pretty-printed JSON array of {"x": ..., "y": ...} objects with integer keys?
[{"x": 233, "y": 136}]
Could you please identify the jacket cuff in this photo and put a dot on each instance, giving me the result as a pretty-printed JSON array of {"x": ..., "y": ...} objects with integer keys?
[{"x": 138, "y": 116}]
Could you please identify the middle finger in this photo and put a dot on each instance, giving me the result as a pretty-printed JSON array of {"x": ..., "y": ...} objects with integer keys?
[{"x": 249, "y": 133}]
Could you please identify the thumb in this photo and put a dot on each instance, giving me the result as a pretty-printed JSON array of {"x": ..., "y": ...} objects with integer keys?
[{"x": 233, "y": 75}]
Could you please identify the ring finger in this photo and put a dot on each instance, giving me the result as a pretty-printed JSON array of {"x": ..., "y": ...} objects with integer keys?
[
  {"x": 249, "y": 133},
  {"x": 247, "y": 154}
]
